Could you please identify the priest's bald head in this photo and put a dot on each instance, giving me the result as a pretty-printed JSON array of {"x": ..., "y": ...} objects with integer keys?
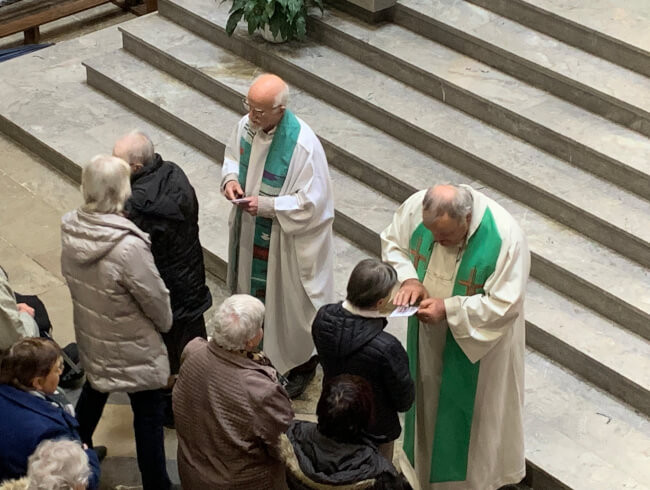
[
  {"x": 447, "y": 212},
  {"x": 267, "y": 98}
]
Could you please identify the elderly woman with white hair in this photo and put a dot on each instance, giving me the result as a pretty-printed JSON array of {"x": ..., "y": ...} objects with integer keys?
[
  {"x": 229, "y": 408},
  {"x": 121, "y": 306},
  {"x": 55, "y": 465}
]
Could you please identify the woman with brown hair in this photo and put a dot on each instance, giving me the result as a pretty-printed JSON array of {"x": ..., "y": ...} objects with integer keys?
[
  {"x": 338, "y": 453},
  {"x": 29, "y": 376}
]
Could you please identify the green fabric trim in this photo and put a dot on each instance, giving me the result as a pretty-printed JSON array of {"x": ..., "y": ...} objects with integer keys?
[
  {"x": 420, "y": 248},
  {"x": 276, "y": 167},
  {"x": 459, "y": 376}
]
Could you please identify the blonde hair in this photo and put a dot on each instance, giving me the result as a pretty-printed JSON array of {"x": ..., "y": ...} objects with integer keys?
[
  {"x": 105, "y": 184},
  {"x": 58, "y": 465}
]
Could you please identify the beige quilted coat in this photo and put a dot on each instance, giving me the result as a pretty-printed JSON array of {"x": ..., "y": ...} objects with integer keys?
[{"x": 120, "y": 302}]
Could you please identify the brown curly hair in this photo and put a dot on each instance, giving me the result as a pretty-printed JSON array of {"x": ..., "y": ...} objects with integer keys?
[{"x": 26, "y": 360}]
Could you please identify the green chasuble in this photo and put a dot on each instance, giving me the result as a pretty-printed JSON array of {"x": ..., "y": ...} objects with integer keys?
[
  {"x": 459, "y": 375},
  {"x": 276, "y": 167}
]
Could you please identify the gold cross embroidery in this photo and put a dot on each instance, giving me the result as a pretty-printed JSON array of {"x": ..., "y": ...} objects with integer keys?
[
  {"x": 417, "y": 256},
  {"x": 472, "y": 287}
]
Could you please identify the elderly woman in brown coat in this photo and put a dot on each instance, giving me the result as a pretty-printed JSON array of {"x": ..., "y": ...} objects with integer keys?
[
  {"x": 229, "y": 408},
  {"x": 120, "y": 307}
]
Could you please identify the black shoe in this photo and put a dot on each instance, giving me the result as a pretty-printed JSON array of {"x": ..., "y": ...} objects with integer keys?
[
  {"x": 101, "y": 452},
  {"x": 298, "y": 382}
]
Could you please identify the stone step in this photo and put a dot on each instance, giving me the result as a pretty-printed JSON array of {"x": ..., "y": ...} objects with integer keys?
[
  {"x": 500, "y": 160},
  {"x": 563, "y": 428},
  {"x": 580, "y": 268},
  {"x": 596, "y": 144},
  {"x": 579, "y": 77},
  {"x": 158, "y": 97},
  {"x": 588, "y": 344},
  {"x": 583, "y": 437},
  {"x": 616, "y": 31}
]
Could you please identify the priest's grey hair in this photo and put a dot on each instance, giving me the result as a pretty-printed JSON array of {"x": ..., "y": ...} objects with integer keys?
[
  {"x": 238, "y": 319},
  {"x": 105, "y": 184},
  {"x": 58, "y": 465},
  {"x": 140, "y": 149},
  {"x": 458, "y": 207},
  {"x": 282, "y": 98}
]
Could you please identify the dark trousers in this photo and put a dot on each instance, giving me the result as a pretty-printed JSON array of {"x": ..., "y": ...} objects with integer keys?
[
  {"x": 179, "y": 336},
  {"x": 147, "y": 424}
]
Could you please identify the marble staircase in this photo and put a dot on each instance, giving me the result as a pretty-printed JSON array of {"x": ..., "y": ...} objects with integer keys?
[
  {"x": 449, "y": 91},
  {"x": 370, "y": 99}
]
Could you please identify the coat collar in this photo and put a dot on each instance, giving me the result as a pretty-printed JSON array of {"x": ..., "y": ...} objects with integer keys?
[
  {"x": 240, "y": 361},
  {"x": 148, "y": 169},
  {"x": 36, "y": 404},
  {"x": 478, "y": 210}
]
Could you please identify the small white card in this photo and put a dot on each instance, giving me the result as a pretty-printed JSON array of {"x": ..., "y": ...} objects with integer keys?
[{"x": 403, "y": 311}]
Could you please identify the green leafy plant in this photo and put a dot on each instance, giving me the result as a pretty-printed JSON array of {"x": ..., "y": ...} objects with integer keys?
[{"x": 286, "y": 18}]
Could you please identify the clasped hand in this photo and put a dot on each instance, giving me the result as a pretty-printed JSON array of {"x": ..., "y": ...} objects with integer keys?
[
  {"x": 412, "y": 291},
  {"x": 432, "y": 310},
  {"x": 234, "y": 191}
]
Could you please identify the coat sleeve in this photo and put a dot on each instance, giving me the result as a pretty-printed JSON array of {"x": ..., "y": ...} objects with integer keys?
[
  {"x": 230, "y": 168},
  {"x": 273, "y": 411},
  {"x": 142, "y": 280},
  {"x": 14, "y": 325},
  {"x": 310, "y": 201},
  {"x": 95, "y": 470},
  {"x": 478, "y": 322},
  {"x": 396, "y": 236},
  {"x": 397, "y": 377}
]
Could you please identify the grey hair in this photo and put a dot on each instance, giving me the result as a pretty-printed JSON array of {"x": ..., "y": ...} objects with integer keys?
[
  {"x": 105, "y": 184},
  {"x": 141, "y": 150},
  {"x": 370, "y": 281},
  {"x": 238, "y": 319},
  {"x": 58, "y": 465},
  {"x": 458, "y": 207},
  {"x": 282, "y": 97}
]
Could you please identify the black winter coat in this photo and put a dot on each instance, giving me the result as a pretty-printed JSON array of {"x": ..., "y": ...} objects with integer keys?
[
  {"x": 163, "y": 203},
  {"x": 326, "y": 463},
  {"x": 352, "y": 344}
]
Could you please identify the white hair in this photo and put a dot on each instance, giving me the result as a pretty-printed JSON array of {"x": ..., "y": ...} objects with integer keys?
[
  {"x": 140, "y": 150},
  {"x": 58, "y": 465},
  {"x": 458, "y": 207},
  {"x": 238, "y": 320},
  {"x": 282, "y": 97},
  {"x": 105, "y": 184}
]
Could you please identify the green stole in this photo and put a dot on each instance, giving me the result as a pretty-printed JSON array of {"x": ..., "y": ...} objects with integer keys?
[
  {"x": 276, "y": 167},
  {"x": 459, "y": 375}
]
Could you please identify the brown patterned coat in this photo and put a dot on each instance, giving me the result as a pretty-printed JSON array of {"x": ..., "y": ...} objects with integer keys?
[{"x": 229, "y": 413}]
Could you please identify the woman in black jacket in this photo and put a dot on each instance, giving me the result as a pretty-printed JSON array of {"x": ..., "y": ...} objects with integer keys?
[
  {"x": 350, "y": 338},
  {"x": 337, "y": 452}
]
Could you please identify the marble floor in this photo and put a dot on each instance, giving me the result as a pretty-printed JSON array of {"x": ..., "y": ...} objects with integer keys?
[{"x": 32, "y": 200}]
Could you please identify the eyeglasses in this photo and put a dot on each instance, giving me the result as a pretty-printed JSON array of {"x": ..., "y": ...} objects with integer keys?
[{"x": 257, "y": 112}]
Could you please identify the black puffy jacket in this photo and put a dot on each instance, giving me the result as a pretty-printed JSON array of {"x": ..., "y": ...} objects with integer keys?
[
  {"x": 163, "y": 203},
  {"x": 352, "y": 344},
  {"x": 318, "y": 462}
]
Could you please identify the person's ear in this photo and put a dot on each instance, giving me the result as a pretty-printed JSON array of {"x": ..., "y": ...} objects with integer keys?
[
  {"x": 38, "y": 382},
  {"x": 382, "y": 302}
]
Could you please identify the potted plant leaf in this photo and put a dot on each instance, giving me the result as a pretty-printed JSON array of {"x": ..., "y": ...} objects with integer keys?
[{"x": 277, "y": 20}]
